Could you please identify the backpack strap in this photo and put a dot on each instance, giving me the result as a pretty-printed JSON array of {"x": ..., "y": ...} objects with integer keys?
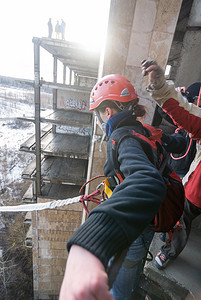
[
  {"x": 156, "y": 133},
  {"x": 149, "y": 142}
]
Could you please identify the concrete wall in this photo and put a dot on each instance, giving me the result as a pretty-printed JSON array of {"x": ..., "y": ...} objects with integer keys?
[{"x": 189, "y": 70}]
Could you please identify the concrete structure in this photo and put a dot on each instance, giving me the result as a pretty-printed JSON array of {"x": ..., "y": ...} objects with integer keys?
[
  {"x": 137, "y": 30},
  {"x": 50, "y": 231},
  {"x": 185, "y": 51},
  {"x": 168, "y": 31},
  {"x": 61, "y": 149},
  {"x": 181, "y": 279}
]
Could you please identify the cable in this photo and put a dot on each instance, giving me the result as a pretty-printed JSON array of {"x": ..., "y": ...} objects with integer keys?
[{"x": 177, "y": 158}]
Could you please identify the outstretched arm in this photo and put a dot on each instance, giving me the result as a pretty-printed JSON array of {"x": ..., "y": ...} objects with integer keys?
[
  {"x": 185, "y": 115},
  {"x": 85, "y": 277},
  {"x": 113, "y": 225}
]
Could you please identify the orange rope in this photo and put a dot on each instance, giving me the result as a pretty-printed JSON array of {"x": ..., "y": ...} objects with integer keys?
[
  {"x": 93, "y": 196},
  {"x": 90, "y": 181},
  {"x": 177, "y": 158}
]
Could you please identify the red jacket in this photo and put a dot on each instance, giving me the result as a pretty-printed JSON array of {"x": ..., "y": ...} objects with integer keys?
[{"x": 188, "y": 117}]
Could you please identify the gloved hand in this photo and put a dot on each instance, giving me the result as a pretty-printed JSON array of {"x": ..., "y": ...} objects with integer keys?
[{"x": 156, "y": 74}]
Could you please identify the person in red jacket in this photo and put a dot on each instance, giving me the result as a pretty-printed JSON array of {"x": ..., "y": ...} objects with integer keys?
[{"x": 186, "y": 116}]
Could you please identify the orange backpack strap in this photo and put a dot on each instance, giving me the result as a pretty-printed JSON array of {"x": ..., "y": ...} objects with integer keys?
[{"x": 156, "y": 134}]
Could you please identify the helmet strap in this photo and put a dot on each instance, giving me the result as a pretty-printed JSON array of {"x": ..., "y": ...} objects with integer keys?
[
  {"x": 129, "y": 106},
  {"x": 100, "y": 120},
  {"x": 103, "y": 124}
]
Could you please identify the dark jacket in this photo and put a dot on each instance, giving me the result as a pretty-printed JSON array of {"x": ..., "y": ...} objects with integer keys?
[
  {"x": 182, "y": 161},
  {"x": 116, "y": 223}
]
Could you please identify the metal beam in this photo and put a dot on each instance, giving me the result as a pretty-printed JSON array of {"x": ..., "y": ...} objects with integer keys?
[
  {"x": 64, "y": 74},
  {"x": 72, "y": 88},
  {"x": 55, "y": 81},
  {"x": 37, "y": 114}
]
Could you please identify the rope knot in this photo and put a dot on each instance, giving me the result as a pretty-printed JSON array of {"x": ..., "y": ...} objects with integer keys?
[{"x": 91, "y": 197}]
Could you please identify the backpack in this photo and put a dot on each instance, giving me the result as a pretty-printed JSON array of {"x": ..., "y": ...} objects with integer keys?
[{"x": 171, "y": 209}]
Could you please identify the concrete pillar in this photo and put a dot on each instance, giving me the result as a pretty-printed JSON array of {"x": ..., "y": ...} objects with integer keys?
[
  {"x": 137, "y": 30},
  {"x": 64, "y": 74},
  {"x": 189, "y": 69}
]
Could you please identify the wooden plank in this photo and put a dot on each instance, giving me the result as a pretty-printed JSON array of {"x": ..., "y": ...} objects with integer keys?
[
  {"x": 28, "y": 196},
  {"x": 29, "y": 145},
  {"x": 59, "y": 170},
  {"x": 64, "y": 145},
  {"x": 68, "y": 117},
  {"x": 59, "y": 191},
  {"x": 47, "y": 139},
  {"x": 64, "y": 170},
  {"x": 29, "y": 172},
  {"x": 46, "y": 128},
  {"x": 59, "y": 144}
]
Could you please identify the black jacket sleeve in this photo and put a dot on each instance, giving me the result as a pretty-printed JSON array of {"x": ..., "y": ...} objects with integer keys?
[
  {"x": 116, "y": 223},
  {"x": 174, "y": 143}
]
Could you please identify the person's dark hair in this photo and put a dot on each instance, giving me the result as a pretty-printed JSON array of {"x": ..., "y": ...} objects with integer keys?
[{"x": 138, "y": 109}]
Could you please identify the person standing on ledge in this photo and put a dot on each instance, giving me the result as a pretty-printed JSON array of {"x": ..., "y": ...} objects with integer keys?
[
  {"x": 123, "y": 220},
  {"x": 63, "y": 29},
  {"x": 57, "y": 30},
  {"x": 50, "y": 28}
]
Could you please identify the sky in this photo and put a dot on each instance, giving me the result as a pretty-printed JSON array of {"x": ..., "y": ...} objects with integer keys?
[{"x": 21, "y": 20}]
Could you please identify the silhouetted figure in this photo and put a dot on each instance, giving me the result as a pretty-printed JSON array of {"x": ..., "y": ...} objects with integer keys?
[
  {"x": 62, "y": 29},
  {"x": 50, "y": 28},
  {"x": 57, "y": 30}
]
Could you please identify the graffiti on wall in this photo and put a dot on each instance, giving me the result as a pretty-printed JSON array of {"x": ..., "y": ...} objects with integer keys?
[
  {"x": 76, "y": 104},
  {"x": 73, "y": 130},
  {"x": 73, "y": 100}
]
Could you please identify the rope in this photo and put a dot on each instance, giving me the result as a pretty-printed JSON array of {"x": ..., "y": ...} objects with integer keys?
[
  {"x": 93, "y": 196},
  {"x": 198, "y": 101},
  {"x": 58, "y": 203},
  {"x": 177, "y": 158},
  {"x": 82, "y": 187},
  {"x": 39, "y": 206}
]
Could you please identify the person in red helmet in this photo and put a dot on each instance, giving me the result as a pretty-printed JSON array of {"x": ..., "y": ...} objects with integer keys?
[
  {"x": 123, "y": 220},
  {"x": 186, "y": 116}
]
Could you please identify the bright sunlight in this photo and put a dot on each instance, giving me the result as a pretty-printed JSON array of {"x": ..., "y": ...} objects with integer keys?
[{"x": 22, "y": 20}]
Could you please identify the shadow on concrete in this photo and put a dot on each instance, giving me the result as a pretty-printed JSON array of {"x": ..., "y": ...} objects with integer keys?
[{"x": 181, "y": 279}]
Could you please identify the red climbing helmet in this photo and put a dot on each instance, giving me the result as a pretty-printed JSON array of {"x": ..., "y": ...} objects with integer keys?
[{"x": 112, "y": 87}]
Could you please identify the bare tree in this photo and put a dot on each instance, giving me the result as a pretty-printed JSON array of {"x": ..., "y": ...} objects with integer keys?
[{"x": 15, "y": 261}]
